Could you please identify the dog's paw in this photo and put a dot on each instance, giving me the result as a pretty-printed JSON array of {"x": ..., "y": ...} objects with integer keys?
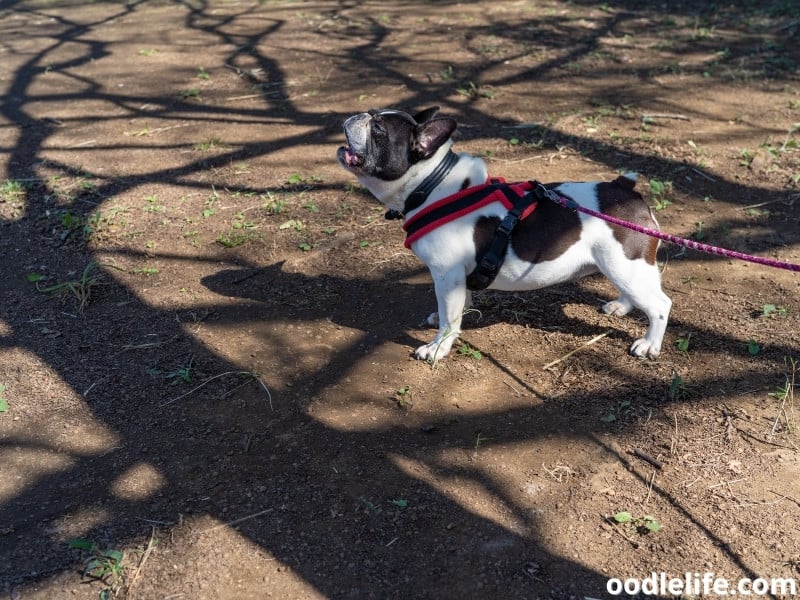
[
  {"x": 433, "y": 351},
  {"x": 644, "y": 348},
  {"x": 617, "y": 308}
]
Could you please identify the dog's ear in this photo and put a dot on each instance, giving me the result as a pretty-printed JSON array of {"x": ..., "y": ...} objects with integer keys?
[
  {"x": 426, "y": 115},
  {"x": 431, "y": 135}
]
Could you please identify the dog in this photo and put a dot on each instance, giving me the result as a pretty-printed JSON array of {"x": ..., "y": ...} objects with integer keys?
[{"x": 408, "y": 164}]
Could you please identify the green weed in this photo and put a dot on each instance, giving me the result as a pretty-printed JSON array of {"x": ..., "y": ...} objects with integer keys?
[
  {"x": 233, "y": 239},
  {"x": 684, "y": 342},
  {"x": 209, "y": 144},
  {"x": 698, "y": 233},
  {"x": 295, "y": 224},
  {"x": 3, "y": 399},
  {"x": 104, "y": 565},
  {"x": 641, "y": 525},
  {"x": 678, "y": 390},
  {"x": 772, "y": 310},
  {"x": 784, "y": 394},
  {"x": 479, "y": 440},
  {"x": 616, "y": 411},
  {"x": 473, "y": 91},
  {"x": 188, "y": 93},
  {"x": 446, "y": 74},
  {"x": 81, "y": 288},
  {"x": 658, "y": 189},
  {"x": 465, "y": 349},
  {"x": 403, "y": 397},
  {"x": 11, "y": 189}
]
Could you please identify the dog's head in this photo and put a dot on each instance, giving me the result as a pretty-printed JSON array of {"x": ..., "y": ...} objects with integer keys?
[{"x": 387, "y": 147}]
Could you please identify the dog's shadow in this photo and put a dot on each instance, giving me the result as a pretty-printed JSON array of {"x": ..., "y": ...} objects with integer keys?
[{"x": 395, "y": 309}]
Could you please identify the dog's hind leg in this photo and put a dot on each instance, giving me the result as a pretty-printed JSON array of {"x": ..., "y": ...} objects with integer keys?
[
  {"x": 619, "y": 307},
  {"x": 639, "y": 283}
]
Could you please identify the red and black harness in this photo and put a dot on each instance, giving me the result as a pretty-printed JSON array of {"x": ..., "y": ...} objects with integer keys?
[{"x": 520, "y": 199}]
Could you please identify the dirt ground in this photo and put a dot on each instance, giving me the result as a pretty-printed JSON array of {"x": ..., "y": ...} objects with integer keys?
[{"x": 206, "y": 327}]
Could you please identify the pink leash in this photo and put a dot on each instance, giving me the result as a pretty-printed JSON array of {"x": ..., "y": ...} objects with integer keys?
[{"x": 672, "y": 239}]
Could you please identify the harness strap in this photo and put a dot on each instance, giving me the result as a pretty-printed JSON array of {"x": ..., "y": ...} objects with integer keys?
[
  {"x": 523, "y": 202},
  {"x": 520, "y": 199}
]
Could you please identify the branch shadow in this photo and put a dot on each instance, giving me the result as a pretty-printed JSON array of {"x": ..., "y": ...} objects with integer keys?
[{"x": 354, "y": 542}]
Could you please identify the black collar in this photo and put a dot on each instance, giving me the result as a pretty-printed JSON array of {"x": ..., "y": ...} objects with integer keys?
[{"x": 423, "y": 190}]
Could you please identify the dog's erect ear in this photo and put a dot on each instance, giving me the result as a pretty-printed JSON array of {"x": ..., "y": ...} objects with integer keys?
[
  {"x": 426, "y": 115},
  {"x": 431, "y": 135}
]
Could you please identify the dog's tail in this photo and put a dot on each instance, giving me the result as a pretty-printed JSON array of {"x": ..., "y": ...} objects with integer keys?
[{"x": 627, "y": 180}]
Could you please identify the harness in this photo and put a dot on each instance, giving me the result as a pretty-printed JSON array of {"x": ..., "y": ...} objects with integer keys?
[{"x": 520, "y": 199}]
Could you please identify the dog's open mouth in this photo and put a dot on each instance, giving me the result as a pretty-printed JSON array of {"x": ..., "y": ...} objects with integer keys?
[{"x": 349, "y": 158}]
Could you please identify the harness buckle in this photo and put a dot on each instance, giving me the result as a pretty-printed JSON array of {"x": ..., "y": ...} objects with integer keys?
[{"x": 508, "y": 223}]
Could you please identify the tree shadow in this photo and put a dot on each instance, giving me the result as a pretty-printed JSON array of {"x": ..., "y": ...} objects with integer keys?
[{"x": 338, "y": 482}]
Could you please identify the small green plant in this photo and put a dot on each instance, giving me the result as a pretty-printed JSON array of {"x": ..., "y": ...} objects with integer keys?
[
  {"x": 3, "y": 399},
  {"x": 616, "y": 411},
  {"x": 304, "y": 246},
  {"x": 772, "y": 310},
  {"x": 400, "y": 503},
  {"x": 446, "y": 74},
  {"x": 232, "y": 239},
  {"x": 684, "y": 342},
  {"x": 80, "y": 288},
  {"x": 785, "y": 395},
  {"x": 371, "y": 507},
  {"x": 658, "y": 189},
  {"x": 183, "y": 373},
  {"x": 473, "y": 91},
  {"x": 240, "y": 222},
  {"x": 104, "y": 565},
  {"x": 757, "y": 212},
  {"x": 209, "y": 144},
  {"x": 295, "y": 224},
  {"x": 403, "y": 397},
  {"x": 202, "y": 73},
  {"x": 153, "y": 205},
  {"x": 479, "y": 440},
  {"x": 699, "y": 234},
  {"x": 641, "y": 525},
  {"x": 188, "y": 93},
  {"x": 11, "y": 189},
  {"x": 465, "y": 349},
  {"x": 295, "y": 179},
  {"x": 753, "y": 348},
  {"x": 678, "y": 390},
  {"x": 272, "y": 205},
  {"x": 148, "y": 52}
]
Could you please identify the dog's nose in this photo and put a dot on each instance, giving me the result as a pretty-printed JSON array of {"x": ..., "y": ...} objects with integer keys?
[{"x": 356, "y": 120}]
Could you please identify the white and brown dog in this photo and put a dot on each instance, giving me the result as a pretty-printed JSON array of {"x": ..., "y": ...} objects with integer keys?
[{"x": 407, "y": 163}]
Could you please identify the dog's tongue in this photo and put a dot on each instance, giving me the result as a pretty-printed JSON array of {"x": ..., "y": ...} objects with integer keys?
[{"x": 351, "y": 158}]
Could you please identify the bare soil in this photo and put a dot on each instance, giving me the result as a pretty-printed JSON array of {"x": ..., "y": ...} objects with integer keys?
[{"x": 206, "y": 327}]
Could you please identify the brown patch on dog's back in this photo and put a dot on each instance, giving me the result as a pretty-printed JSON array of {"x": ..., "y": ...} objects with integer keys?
[
  {"x": 550, "y": 230},
  {"x": 545, "y": 235},
  {"x": 618, "y": 199}
]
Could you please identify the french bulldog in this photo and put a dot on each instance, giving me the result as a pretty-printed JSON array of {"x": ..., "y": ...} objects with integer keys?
[{"x": 408, "y": 164}]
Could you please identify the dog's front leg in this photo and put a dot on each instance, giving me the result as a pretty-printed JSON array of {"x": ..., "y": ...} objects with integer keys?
[{"x": 451, "y": 297}]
